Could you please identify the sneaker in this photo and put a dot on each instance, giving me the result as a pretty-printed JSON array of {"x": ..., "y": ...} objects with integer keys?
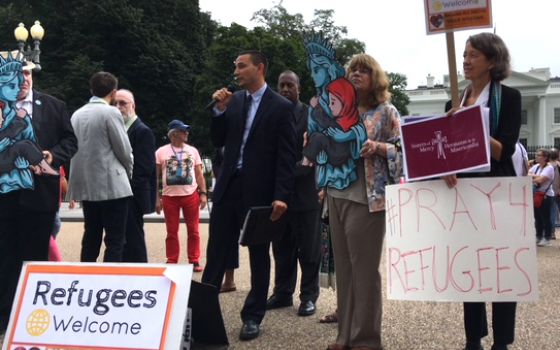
[
  {"x": 197, "y": 267},
  {"x": 543, "y": 242}
]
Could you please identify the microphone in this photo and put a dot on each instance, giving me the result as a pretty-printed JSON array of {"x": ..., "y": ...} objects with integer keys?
[{"x": 230, "y": 88}]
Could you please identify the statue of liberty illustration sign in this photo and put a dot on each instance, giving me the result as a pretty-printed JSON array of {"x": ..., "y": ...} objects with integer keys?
[
  {"x": 19, "y": 153},
  {"x": 335, "y": 132}
]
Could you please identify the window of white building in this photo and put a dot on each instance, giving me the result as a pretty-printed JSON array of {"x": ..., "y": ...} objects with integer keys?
[{"x": 556, "y": 115}]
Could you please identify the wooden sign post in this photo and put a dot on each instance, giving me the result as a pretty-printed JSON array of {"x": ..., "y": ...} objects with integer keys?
[
  {"x": 448, "y": 16},
  {"x": 452, "y": 63}
]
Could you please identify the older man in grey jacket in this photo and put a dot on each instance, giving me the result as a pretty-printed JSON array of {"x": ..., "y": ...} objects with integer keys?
[{"x": 100, "y": 170}]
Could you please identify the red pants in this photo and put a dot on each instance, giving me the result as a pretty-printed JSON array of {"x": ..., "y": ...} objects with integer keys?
[{"x": 171, "y": 210}]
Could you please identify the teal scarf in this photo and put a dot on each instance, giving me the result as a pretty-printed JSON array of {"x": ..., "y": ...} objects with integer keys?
[{"x": 495, "y": 105}]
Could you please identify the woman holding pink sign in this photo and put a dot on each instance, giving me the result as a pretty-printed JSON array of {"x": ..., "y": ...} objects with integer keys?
[{"x": 486, "y": 62}]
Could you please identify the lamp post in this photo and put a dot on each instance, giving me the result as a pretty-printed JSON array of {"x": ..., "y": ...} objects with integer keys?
[{"x": 21, "y": 34}]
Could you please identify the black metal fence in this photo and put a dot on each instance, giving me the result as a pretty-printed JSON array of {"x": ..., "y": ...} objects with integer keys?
[{"x": 531, "y": 150}]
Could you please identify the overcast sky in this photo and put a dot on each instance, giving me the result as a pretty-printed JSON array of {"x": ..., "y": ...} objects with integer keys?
[{"x": 395, "y": 34}]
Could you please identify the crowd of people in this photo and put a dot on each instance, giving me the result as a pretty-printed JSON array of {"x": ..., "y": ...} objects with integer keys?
[
  {"x": 114, "y": 174},
  {"x": 117, "y": 175}
]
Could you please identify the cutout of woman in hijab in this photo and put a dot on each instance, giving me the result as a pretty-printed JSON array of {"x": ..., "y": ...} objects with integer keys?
[
  {"x": 335, "y": 149},
  {"x": 335, "y": 133}
]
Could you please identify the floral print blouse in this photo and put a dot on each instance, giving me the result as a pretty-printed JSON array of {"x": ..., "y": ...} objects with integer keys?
[{"x": 382, "y": 125}]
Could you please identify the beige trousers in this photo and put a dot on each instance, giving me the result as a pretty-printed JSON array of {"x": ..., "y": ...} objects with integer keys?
[{"x": 357, "y": 237}]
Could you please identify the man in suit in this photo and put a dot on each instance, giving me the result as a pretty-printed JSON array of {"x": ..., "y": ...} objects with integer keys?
[
  {"x": 27, "y": 216},
  {"x": 143, "y": 181},
  {"x": 100, "y": 171},
  {"x": 302, "y": 240},
  {"x": 256, "y": 126}
]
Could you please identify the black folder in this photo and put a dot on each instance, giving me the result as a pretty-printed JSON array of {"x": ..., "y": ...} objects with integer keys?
[{"x": 259, "y": 229}]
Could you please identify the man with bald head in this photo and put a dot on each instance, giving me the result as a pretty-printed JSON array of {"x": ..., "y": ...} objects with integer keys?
[
  {"x": 143, "y": 180},
  {"x": 301, "y": 242}
]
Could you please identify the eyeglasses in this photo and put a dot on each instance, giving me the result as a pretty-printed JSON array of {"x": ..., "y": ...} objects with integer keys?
[
  {"x": 361, "y": 70},
  {"x": 121, "y": 103}
]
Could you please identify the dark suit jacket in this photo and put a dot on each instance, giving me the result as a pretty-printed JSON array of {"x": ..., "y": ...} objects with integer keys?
[
  {"x": 305, "y": 191},
  {"x": 269, "y": 156},
  {"x": 51, "y": 123},
  {"x": 143, "y": 181},
  {"x": 507, "y": 132}
]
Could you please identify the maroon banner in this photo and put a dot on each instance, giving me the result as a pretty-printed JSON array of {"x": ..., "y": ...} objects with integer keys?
[{"x": 439, "y": 146}]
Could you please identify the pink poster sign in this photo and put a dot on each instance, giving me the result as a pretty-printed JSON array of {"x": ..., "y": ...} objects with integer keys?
[{"x": 438, "y": 146}]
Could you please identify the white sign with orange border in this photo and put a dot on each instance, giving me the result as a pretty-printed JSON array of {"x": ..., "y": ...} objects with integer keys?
[
  {"x": 452, "y": 15},
  {"x": 70, "y": 306}
]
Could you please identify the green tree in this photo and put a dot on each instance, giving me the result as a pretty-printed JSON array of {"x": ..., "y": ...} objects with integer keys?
[
  {"x": 397, "y": 88},
  {"x": 346, "y": 48},
  {"x": 280, "y": 23},
  {"x": 292, "y": 28},
  {"x": 323, "y": 22},
  {"x": 154, "y": 48},
  {"x": 168, "y": 53}
]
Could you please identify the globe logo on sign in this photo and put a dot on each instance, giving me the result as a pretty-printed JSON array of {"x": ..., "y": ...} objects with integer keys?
[{"x": 38, "y": 322}]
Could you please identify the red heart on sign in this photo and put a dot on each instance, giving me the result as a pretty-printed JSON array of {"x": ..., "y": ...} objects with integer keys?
[{"x": 436, "y": 20}]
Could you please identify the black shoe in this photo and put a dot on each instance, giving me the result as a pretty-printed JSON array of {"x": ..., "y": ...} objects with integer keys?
[
  {"x": 275, "y": 302},
  {"x": 3, "y": 326},
  {"x": 306, "y": 308},
  {"x": 471, "y": 346},
  {"x": 499, "y": 347},
  {"x": 249, "y": 330}
]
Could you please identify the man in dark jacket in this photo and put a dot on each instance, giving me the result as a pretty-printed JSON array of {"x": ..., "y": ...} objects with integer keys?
[
  {"x": 27, "y": 216},
  {"x": 256, "y": 126},
  {"x": 302, "y": 239},
  {"x": 143, "y": 180}
]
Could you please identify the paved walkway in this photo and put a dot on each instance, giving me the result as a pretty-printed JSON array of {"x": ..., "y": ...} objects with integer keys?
[
  {"x": 76, "y": 215},
  {"x": 406, "y": 325}
]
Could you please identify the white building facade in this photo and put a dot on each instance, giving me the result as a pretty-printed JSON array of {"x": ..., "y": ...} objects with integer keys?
[{"x": 540, "y": 103}]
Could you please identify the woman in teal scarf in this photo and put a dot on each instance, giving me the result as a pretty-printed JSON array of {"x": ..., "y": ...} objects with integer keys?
[{"x": 486, "y": 62}]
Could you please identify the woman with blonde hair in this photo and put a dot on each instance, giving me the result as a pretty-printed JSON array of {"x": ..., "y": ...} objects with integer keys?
[{"x": 357, "y": 213}]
